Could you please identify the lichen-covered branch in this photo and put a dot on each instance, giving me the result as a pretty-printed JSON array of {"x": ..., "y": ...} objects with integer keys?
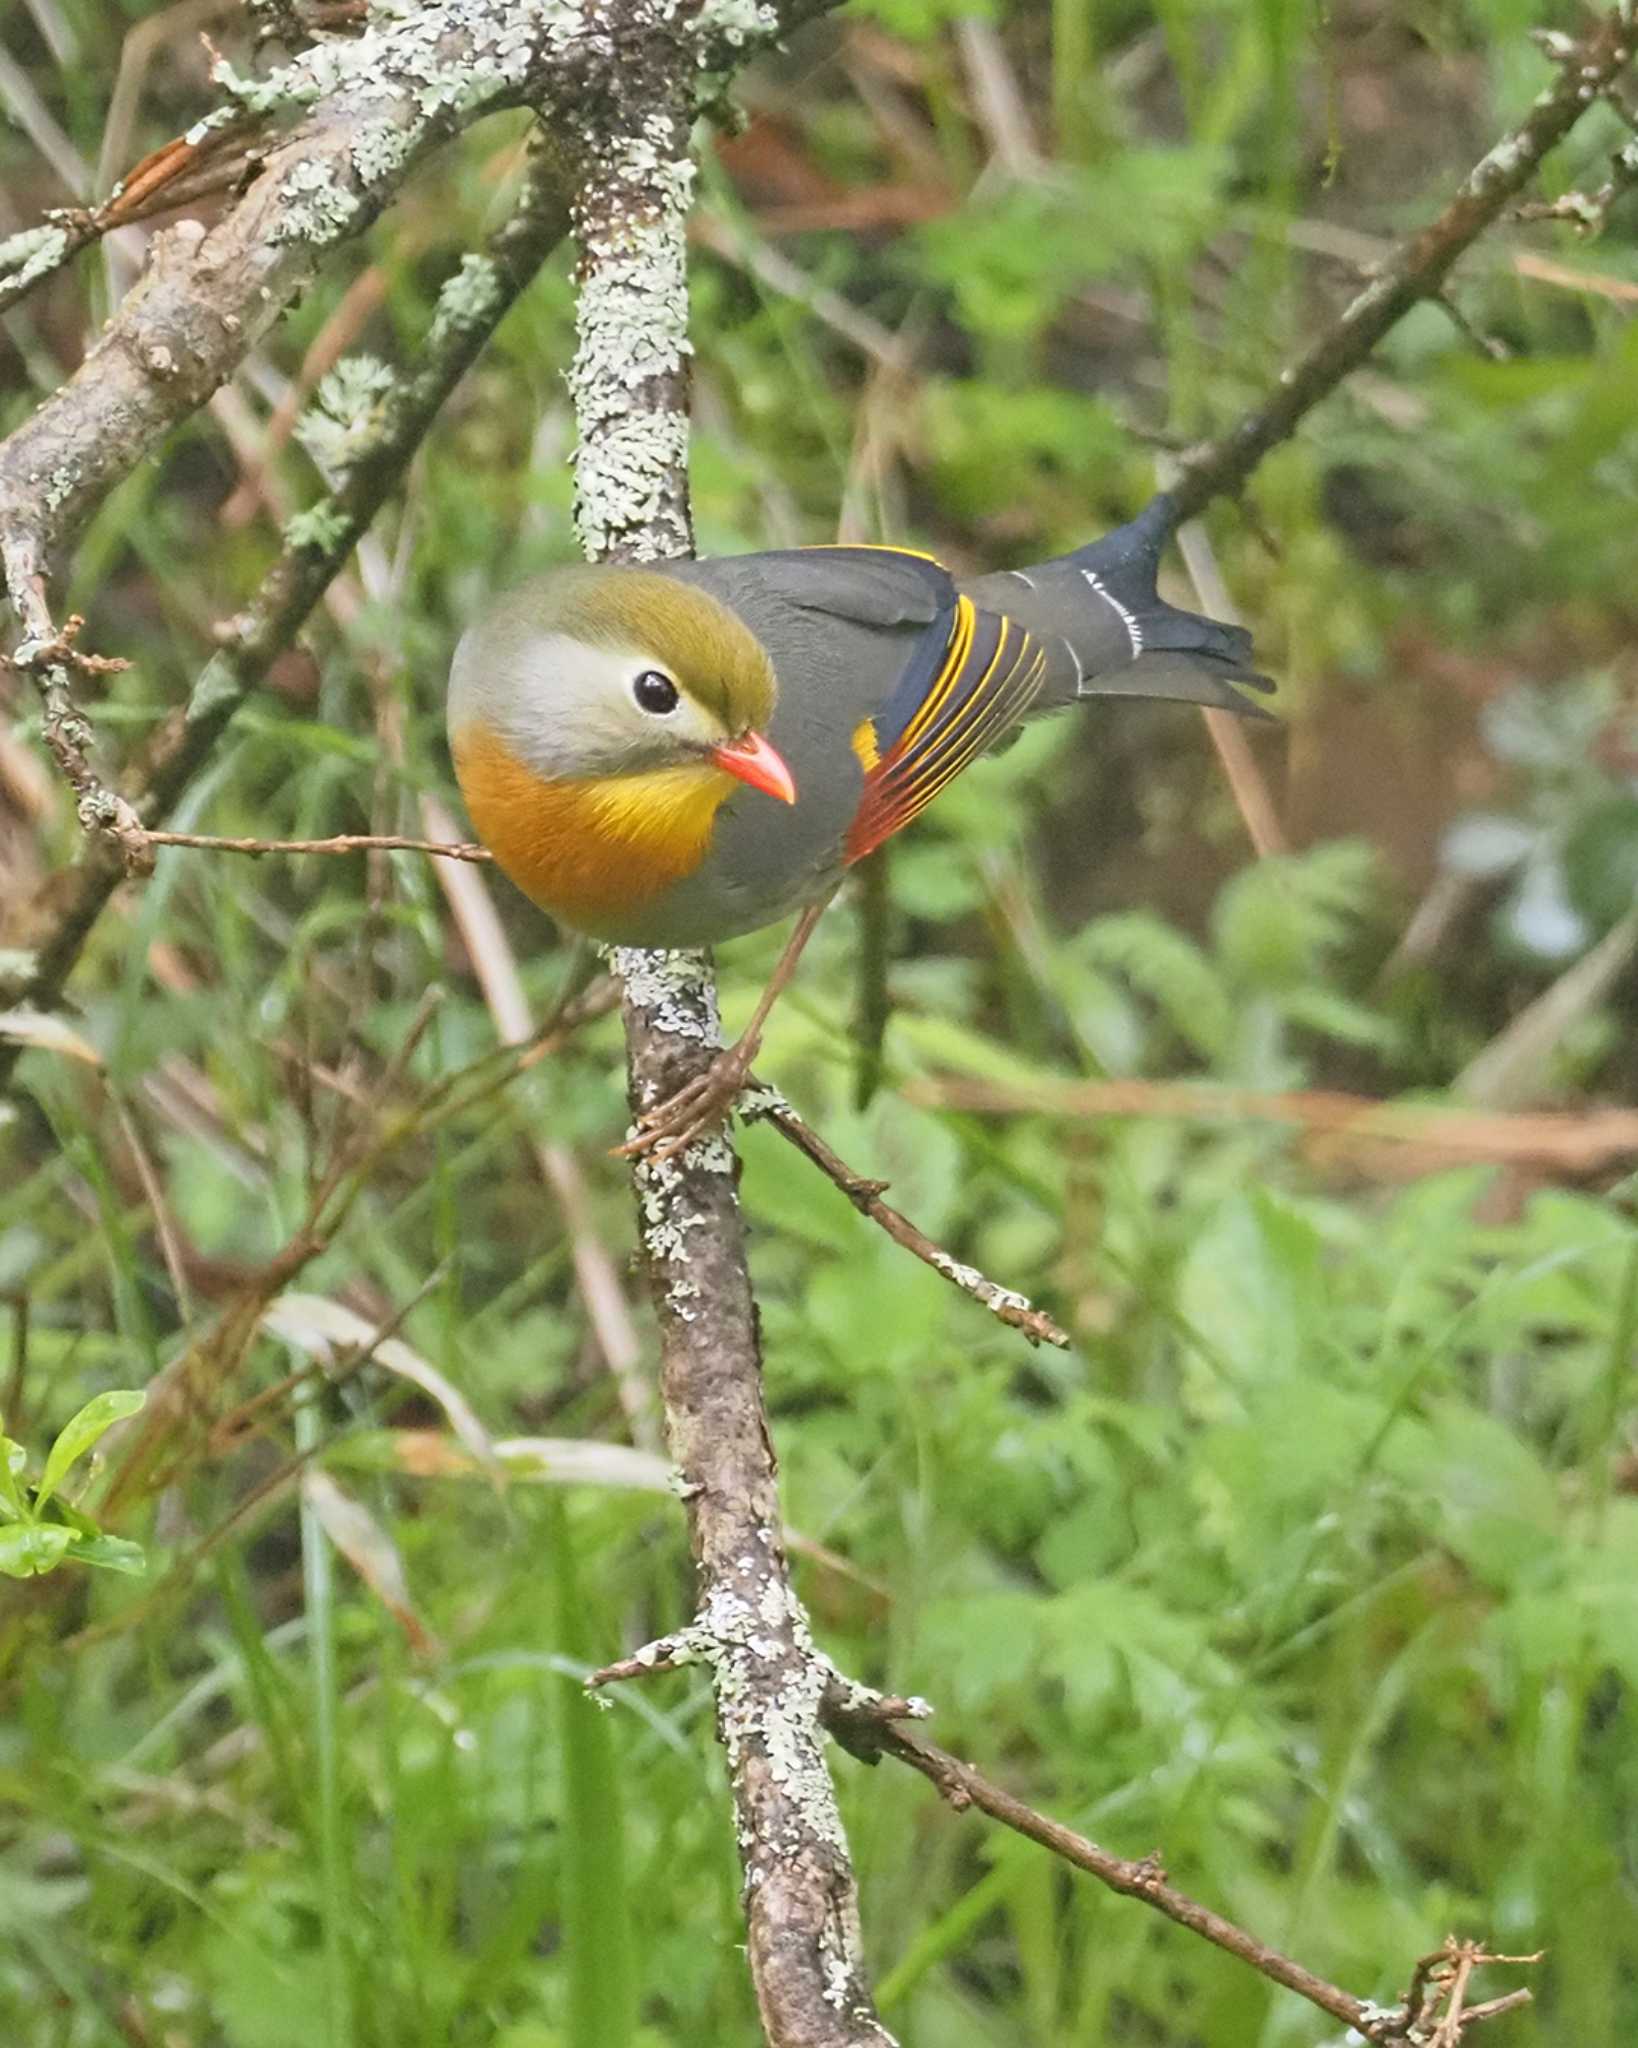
[
  {"x": 1417, "y": 267},
  {"x": 800, "y": 1900},
  {"x": 369, "y": 109},
  {"x": 630, "y": 383}
]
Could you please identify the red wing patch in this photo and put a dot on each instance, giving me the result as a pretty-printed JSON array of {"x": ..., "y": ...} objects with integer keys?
[{"x": 955, "y": 699}]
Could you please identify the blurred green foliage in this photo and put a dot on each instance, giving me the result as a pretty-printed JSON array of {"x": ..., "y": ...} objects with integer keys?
[{"x": 1316, "y": 1562}]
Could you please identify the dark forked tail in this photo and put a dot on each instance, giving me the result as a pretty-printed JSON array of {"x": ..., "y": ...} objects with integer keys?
[{"x": 1170, "y": 653}]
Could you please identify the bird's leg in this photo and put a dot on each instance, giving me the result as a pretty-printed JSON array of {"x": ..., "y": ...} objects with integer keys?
[{"x": 674, "y": 1124}]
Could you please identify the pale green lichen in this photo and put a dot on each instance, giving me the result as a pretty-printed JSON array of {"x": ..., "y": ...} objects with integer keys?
[
  {"x": 469, "y": 296},
  {"x": 345, "y": 419},
  {"x": 630, "y": 466},
  {"x": 381, "y": 150},
  {"x": 316, "y": 207},
  {"x": 34, "y": 253},
  {"x": 59, "y": 485},
  {"x": 973, "y": 1282},
  {"x": 281, "y": 91},
  {"x": 632, "y": 330},
  {"x": 734, "y": 22},
  {"x": 676, "y": 991},
  {"x": 322, "y": 526}
]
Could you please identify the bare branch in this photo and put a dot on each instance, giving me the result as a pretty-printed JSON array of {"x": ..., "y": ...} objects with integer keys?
[
  {"x": 342, "y": 842},
  {"x": 767, "y": 1105}
]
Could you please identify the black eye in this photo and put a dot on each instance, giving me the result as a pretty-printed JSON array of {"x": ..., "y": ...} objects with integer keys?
[{"x": 655, "y": 692}]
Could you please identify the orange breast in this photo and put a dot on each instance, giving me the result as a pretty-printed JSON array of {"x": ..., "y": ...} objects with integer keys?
[{"x": 588, "y": 852}]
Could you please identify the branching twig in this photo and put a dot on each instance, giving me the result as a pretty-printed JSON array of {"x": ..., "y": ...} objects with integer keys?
[
  {"x": 53, "y": 658},
  {"x": 188, "y": 1389},
  {"x": 470, "y": 307},
  {"x": 1415, "y": 270},
  {"x": 768, "y": 1106},
  {"x": 1588, "y": 211},
  {"x": 1441, "y": 1979}
]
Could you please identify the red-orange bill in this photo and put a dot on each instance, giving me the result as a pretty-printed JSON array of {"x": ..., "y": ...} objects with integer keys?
[{"x": 754, "y": 761}]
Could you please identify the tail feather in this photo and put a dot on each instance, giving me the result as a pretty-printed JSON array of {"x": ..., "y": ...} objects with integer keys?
[
  {"x": 1207, "y": 656},
  {"x": 1182, "y": 679}
]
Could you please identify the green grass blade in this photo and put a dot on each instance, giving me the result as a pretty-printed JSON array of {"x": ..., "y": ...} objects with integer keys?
[
  {"x": 335, "y": 1873},
  {"x": 598, "y": 1940}
]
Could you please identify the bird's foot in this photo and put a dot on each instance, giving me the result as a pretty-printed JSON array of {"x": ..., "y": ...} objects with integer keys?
[{"x": 696, "y": 1108}]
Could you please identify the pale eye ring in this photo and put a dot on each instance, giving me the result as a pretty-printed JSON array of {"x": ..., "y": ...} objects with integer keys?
[{"x": 655, "y": 693}]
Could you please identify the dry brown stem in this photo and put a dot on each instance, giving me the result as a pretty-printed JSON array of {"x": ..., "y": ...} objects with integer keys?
[{"x": 1574, "y": 1143}]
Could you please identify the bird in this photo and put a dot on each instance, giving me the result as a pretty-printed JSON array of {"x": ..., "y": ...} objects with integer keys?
[{"x": 673, "y": 753}]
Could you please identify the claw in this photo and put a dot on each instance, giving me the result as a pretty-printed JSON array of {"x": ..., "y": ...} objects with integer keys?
[{"x": 696, "y": 1108}]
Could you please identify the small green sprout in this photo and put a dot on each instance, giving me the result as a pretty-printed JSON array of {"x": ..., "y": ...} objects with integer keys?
[{"x": 39, "y": 1531}]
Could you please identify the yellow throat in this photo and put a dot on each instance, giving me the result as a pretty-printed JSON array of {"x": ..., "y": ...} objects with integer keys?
[{"x": 588, "y": 851}]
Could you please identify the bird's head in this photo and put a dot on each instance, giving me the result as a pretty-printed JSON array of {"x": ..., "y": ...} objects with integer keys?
[
  {"x": 599, "y": 718},
  {"x": 593, "y": 674}
]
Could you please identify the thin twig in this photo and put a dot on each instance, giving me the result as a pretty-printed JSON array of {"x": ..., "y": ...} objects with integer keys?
[
  {"x": 342, "y": 842},
  {"x": 53, "y": 657},
  {"x": 766, "y": 1105},
  {"x": 1144, "y": 1878},
  {"x": 188, "y": 1387},
  {"x": 1252, "y": 796}
]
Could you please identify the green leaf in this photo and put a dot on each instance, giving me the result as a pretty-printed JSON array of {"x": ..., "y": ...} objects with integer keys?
[
  {"x": 1170, "y": 970},
  {"x": 80, "y": 1434},
  {"x": 108, "y": 1553},
  {"x": 1277, "y": 923},
  {"x": 12, "y": 1460},
  {"x": 1337, "y": 1016},
  {"x": 28, "y": 1549},
  {"x": 1601, "y": 862}
]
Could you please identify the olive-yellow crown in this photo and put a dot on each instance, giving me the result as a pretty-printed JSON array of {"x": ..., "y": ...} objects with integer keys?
[{"x": 597, "y": 671}]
